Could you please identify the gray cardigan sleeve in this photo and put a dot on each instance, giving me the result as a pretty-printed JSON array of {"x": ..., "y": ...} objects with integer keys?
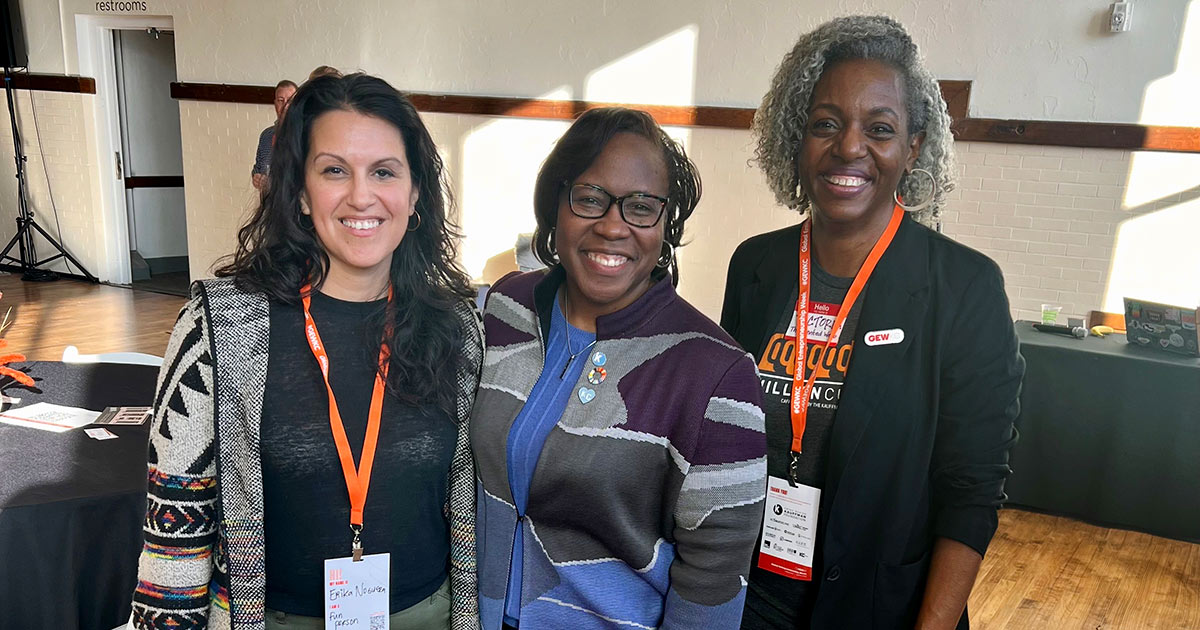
[{"x": 464, "y": 614}]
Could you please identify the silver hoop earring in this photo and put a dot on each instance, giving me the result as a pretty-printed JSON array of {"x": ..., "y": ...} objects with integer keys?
[
  {"x": 666, "y": 258},
  {"x": 551, "y": 245},
  {"x": 933, "y": 190}
]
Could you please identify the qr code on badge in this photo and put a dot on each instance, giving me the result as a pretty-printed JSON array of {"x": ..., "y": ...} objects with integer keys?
[{"x": 379, "y": 621}]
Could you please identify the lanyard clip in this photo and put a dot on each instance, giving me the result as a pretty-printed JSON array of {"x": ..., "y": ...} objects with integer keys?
[
  {"x": 794, "y": 469},
  {"x": 356, "y": 548}
]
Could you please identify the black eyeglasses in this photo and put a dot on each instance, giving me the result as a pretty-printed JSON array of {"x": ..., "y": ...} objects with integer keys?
[{"x": 637, "y": 209}]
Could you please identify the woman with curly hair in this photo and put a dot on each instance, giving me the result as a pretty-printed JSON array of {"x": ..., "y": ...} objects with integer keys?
[
  {"x": 887, "y": 356},
  {"x": 337, "y": 347}
]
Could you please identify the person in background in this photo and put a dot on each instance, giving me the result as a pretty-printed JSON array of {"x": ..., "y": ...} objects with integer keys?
[
  {"x": 886, "y": 350},
  {"x": 617, "y": 431},
  {"x": 284, "y": 91},
  {"x": 341, "y": 332},
  {"x": 322, "y": 71}
]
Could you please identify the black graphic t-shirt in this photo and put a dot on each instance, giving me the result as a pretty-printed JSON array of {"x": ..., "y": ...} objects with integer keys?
[{"x": 781, "y": 601}]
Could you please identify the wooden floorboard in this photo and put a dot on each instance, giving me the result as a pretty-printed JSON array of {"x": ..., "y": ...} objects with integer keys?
[
  {"x": 96, "y": 318},
  {"x": 1053, "y": 572},
  {"x": 1041, "y": 571}
]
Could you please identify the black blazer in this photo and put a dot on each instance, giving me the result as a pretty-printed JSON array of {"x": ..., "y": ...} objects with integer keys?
[{"x": 920, "y": 443}]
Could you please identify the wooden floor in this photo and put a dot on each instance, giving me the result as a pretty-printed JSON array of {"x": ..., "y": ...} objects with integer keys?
[
  {"x": 1053, "y": 572},
  {"x": 48, "y": 316},
  {"x": 1041, "y": 572}
]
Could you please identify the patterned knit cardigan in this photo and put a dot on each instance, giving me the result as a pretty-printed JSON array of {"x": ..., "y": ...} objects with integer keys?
[
  {"x": 646, "y": 501},
  {"x": 203, "y": 563}
]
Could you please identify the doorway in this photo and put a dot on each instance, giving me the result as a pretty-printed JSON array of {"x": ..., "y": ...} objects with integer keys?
[{"x": 150, "y": 159}]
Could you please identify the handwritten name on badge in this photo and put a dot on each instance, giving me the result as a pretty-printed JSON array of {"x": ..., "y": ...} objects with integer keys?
[
  {"x": 884, "y": 337},
  {"x": 356, "y": 593}
]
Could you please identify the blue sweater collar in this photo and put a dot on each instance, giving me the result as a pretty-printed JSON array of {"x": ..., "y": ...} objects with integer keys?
[{"x": 622, "y": 323}]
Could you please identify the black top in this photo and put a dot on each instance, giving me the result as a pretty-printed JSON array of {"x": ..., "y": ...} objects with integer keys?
[
  {"x": 306, "y": 506},
  {"x": 781, "y": 600},
  {"x": 919, "y": 450}
]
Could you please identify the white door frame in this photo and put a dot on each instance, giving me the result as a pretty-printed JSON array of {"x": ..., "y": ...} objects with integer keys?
[{"x": 95, "y": 42}]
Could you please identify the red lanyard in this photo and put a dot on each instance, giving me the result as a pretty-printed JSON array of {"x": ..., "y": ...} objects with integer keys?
[
  {"x": 356, "y": 480},
  {"x": 801, "y": 387}
]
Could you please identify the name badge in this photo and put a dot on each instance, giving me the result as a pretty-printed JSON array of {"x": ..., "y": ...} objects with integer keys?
[
  {"x": 789, "y": 531},
  {"x": 356, "y": 593},
  {"x": 820, "y": 322}
]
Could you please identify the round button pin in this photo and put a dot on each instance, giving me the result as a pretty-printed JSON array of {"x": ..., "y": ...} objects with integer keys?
[
  {"x": 599, "y": 359},
  {"x": 597, "y": 375}
]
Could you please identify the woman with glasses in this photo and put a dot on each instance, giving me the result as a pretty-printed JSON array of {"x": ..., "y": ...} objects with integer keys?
[{"x": 617, "y": 432}]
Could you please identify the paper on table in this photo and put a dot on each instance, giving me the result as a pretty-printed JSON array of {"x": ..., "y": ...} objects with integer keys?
[
  {"x": 100, "y": 433},
  {"x": 49, "y": 417}
]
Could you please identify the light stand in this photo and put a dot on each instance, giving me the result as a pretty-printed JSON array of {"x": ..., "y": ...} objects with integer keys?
[{"x": 25, "y": 220}]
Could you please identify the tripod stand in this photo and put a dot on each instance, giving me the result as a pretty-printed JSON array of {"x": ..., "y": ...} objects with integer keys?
[{"x": 26, "y": 222}]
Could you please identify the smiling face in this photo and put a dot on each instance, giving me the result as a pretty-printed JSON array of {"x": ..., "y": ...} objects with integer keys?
[
  {"x": 359, "y": 192},
  {"x": 856, "y": 145},
  {"x": 608, "y": 262}
]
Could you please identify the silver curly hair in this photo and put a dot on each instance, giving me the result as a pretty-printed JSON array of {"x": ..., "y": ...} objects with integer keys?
[{"x": 780, "y": 121}]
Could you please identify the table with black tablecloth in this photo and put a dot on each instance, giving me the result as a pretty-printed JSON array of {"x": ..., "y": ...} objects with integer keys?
[
  {"x": 71, "y": 506},
  {"x": 1110, "y": 433}
]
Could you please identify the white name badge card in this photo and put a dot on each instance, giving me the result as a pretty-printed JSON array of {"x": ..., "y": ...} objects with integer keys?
[
  {"x": 789, "y": 531},
  {"x": 356, "y": 593}
]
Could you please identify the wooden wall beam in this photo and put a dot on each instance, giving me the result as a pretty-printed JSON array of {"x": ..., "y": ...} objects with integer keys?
[
  {"x": 1079, "y": 134},
  {"x": 957, "y": 94},
  {"x": 153, "y": 181},
  {"x": 222, "y": 93},
  {"x": 51, "y": 83}
]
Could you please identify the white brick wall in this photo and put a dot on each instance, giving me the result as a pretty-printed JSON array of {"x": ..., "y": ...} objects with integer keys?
[
  {"x": 1051, "y": 217},
  {"x": 219, "y": 141},
  {"x": 735, "y": 206},
  {"x": 69, "y": 163}
]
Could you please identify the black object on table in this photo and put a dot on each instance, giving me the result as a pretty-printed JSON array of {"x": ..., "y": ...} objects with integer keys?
[
  {"x": 71, "y": 507},
  {"x": 1109, "y": 433}
]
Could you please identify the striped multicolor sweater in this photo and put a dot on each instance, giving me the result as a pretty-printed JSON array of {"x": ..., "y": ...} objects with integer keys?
[
  {"x": 646, "y": 501},
  {"x": 202, "y": 565}
]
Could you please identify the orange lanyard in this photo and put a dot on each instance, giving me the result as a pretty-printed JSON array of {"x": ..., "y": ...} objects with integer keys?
[
  {"x": 801, "y": 387},
  {"x": 356, "y": 480}
]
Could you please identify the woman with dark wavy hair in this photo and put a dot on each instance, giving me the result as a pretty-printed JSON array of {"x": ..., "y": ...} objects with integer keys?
[
  {"x": 338, "y": 346},
  {"x": 888, "y": 357},
  {"x": 617, "y": 431}
]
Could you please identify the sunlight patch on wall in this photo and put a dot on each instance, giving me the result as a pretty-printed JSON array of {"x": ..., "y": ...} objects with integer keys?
[
  {"x": 500, "y": 162},
  {"x": 1156, "y": 258},
  {"x": 1155, "y": 255},
  {"x": 662, "y": 72}
]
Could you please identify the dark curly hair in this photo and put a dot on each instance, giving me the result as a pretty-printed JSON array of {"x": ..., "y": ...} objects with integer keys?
[
  {"x": 278, "y": 249},
  {"x": 581, "y": 145}
]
